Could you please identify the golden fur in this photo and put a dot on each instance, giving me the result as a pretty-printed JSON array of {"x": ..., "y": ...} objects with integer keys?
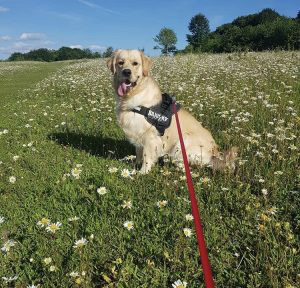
[{"x": 142, "y": 90}]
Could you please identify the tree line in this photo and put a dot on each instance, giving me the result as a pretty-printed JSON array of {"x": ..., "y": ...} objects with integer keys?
[
  {"x": 266, "y": 30},
  {"x": 63, "y": 53}
]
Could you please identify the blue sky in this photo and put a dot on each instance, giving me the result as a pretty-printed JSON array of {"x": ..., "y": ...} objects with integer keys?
[{"x": 97, "y": 24}]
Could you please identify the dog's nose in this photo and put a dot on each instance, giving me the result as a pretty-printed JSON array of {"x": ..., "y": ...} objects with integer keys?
[{"x": 126, "y": 72}]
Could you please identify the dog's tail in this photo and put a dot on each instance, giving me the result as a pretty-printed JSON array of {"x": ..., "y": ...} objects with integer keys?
[{"x": 226, "y": 162}]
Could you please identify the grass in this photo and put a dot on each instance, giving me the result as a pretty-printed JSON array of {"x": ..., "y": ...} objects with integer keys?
[{"x": 59, "y": 120}]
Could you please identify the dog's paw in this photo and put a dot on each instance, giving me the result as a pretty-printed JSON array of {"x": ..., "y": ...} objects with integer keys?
[{"x": 144, "y": 170}]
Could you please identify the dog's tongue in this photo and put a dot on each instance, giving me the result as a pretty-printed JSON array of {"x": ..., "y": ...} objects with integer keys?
[{"x": 122, "y": 90}]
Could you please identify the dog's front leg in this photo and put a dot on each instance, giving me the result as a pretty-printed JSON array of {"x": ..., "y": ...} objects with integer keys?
[
  {"x": 139, "y": 155},
  {"x": 151, "y": 151}
]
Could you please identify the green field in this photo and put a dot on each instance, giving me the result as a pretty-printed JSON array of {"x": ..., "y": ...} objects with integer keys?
[{"x": 63, "y": 161}]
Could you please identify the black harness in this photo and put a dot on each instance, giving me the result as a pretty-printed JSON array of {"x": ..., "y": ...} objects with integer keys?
[{"x": 160, "y": 115}]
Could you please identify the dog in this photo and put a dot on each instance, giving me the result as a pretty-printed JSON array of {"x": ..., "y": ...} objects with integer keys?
[{"x": 135, "y": 88}]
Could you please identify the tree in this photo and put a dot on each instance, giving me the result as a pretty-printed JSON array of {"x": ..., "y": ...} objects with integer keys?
[
  {"x": 199, "y": 28},
  {"x": 166, "y": 40},
  {"x": 109, "y": 51}
]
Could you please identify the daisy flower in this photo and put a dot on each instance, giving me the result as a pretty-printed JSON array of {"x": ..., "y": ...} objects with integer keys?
[
  {"x": 127, "y": 204},
  {"x": 52, "y": 268},
  {"x": 161, "y": 203},
  {"x": 16, "y": 157},
  {"x": 101, "y": 190},
  {"x": 33, "y": 286},
  {"x": 179, "y": 284},
  {"x": 189, "y": 217},
  {"x": 53, "y": 227},
  {"x": 80, "y": 243},
  {"x": 125, "y": 173},
  {"x": 43, "y": 222},
  {"x": 187, "y": 232},
  {"x": 128, "y": 225},
  {"x": 10, "y": 279},
  {"x": 73, "y": 219},
  {"x": 12, "y": 179},
  {"x": 76, "y": 172},
  {"x": 7, "y": 245},
  {"x": 112, "y": 170},
  {"x": 74, "y": 274},
  {"x": 47, "y": 260}
]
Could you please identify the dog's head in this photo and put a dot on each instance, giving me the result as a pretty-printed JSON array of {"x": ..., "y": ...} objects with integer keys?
[{"x": 129, "y": 67}]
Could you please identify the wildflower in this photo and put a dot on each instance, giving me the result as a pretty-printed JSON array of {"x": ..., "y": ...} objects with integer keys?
[
  {"x": 32, "y": 286},
  {"x": 73, "y": 219},
  {"x": 1, "y": 220},
  {"x": 12, "y": 179},
  {"x": 187, "y": 232},
  {"x": 264, "y": 217},
  {"x": 101, "y": 190},
  {"x": 272, "y": 210},
  {"x": 189, "y": 217},
  {"x": 92, "y": 236},
  {"x": 43, "y": 222},
  {"x": 52, "y": 268},
  {"x": 264, "y": 192},
  {"x": 47, "y": 260},
  {"x": 125, "y": 173},
  {"x": 53, "y": 227},
  {"x": 7, "y": 245},
  {"x": 128, "y": 225},
  {"x": 10, "y": 279},
  {"x": 179, "y": 284},
  {"x": 78, "y": 281},
  {"x": 80, "y": 243},
  {"x": 127, "y": 204},
  {"x": 161, "y": 203},
  {"x": 74, "y": 274},
  {"x": 112, "y": 170},
  {"x": 76, "y": 172}
]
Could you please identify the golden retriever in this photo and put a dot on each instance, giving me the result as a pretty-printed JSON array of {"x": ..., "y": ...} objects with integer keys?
[{"x": 134, "y": 87}]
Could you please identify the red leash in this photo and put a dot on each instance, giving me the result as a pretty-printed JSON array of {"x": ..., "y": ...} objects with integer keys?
[{"x": 209, "y": 282}]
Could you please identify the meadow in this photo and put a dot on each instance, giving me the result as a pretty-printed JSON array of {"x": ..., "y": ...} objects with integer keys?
[{"x": 74, "y": 212}]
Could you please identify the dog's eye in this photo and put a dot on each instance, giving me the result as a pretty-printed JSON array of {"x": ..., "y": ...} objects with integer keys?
[
  {"x": 121, "y": 63},
  {"x": 135, "y": 63}
]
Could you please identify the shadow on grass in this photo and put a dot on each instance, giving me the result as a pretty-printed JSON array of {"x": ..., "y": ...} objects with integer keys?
[{"x": 95, "y": 145}]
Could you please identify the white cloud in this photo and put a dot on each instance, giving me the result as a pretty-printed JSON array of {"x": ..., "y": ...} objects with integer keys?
[
  {"x": 3, "y": 9},
  {"x": 76, "y": 46},
  {"x": 92, "y": 5},
  {"x": 87, "y": 3},
  {"x": 69, "y": 17},
  {"x": 32, "y": 36},
  {"x": 5, "y": 38},
  {"x": 97, "y": 48}
]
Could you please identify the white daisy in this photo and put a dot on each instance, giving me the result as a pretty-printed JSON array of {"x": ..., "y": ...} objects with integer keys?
[
  {"x": 76, "y": 172},
  {"x": 43, "y": 222},
  {"x": 179, "y": 284},
  {"x": 12, "y": 179},
  {"x": 47, "y": 260},
  {"x": 189, "y": 217},
  {"x": 101, "y": 190},
  {"x": 161, "y": 203},
  {"x": 125, "y": 173},
  {"x": 53, "y": 227},
  {"x": 74, "y": 274},
  {"x": 80, "y": 243},
  {"x": 112, "y": 170},
  {"x": 128, "y": 225},
  {"x": 187, "y": 232},
  {"x": 7, "y": 245},
  {"x": 127, "y": 204}
]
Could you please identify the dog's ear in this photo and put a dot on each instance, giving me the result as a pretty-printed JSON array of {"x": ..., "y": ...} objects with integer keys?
[
  {"x": 111, "y": 63},
  {"x": 146, "y": 64}
]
